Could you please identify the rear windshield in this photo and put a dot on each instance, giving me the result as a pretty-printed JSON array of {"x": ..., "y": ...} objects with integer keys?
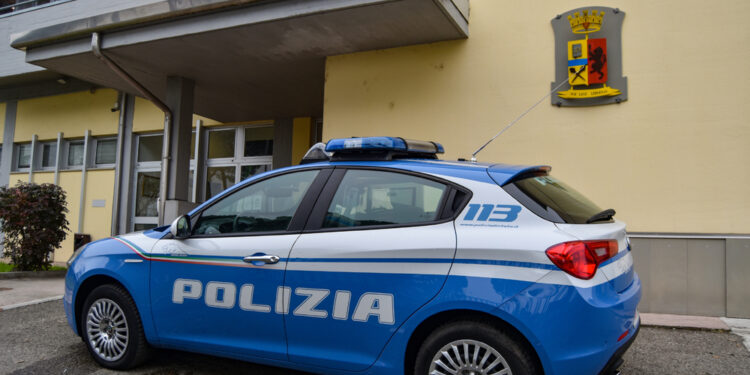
[{"x": 553, "y": 200}]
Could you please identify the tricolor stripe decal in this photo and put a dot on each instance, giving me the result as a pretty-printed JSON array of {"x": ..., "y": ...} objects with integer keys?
[{"x": 238, "y": 262}]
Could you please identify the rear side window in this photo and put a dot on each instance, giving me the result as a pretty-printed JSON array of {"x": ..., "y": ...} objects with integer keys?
[
  {"x": 553, "y": 200},
  {"x": 367, "y": 197}
]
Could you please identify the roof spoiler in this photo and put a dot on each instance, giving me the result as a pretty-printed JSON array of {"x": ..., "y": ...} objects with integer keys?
[
  {"x": 535, "y": 171},
  {"x": 505, "y": 174}
]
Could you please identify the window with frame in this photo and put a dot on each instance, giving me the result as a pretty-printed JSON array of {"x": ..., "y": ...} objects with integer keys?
[
  {"x": 74, "y": 153},
  {"x": 370, "y": 198},
  {"x": 234, "y": 154},
  {"x": 48, "y": 151},
  {"x": 105, "y": 150},
  {"x": 265, "y": 206},
  {"x": 23, "y": 156}
]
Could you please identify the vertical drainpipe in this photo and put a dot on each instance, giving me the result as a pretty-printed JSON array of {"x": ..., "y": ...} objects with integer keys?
[
  {"x": 118, "y": 163},
  {"x": 58, "y": 155},
  {"x": 166, "y": 150},
  {"x": 84, "y": 165},
  {"x": 31, "y": 158},
  {"x": 198, "y": 160},
  {"x": 166, "y": 146}
]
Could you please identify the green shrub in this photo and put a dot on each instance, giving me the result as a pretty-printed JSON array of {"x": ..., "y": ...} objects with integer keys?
[{"x": 33, "y": 223}]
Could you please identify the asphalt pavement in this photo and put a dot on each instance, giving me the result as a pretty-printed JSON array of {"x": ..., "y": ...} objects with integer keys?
[{"x": 36, "y": 339}]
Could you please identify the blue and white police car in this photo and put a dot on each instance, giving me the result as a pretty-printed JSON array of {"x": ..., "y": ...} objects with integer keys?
[{"x": 377, "y": 258}]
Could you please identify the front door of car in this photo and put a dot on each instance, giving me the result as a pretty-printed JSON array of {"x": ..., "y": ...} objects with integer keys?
[
  {"x": 377, "y": 247},
  {"x": 207, "y": 295}
]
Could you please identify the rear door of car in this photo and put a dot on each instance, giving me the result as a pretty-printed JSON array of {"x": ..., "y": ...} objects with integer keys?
[{"x": 378, "y": 245}]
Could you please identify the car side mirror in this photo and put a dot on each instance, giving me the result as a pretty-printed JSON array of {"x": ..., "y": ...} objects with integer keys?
[{"x": 180, "y": 228}]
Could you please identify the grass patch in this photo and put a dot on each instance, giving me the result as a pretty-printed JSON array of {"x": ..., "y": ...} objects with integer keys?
[{"x": 4, "y": 267}]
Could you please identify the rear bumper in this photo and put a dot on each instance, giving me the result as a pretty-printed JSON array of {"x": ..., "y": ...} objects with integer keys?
[
  {"x": 576, "y": 330},
  {"x": 616, "y": 360}
]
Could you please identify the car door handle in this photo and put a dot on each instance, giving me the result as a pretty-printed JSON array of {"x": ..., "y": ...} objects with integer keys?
[{"x": 267, "y": 259}]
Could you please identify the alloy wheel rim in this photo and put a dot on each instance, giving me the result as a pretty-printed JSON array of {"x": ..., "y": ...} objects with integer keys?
[
  {"x": 468, "y": 357},
  {"x": 107, "y": 329}
]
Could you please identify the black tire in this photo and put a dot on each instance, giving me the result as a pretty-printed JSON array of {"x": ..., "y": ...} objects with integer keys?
[
  {"x": 108, "y": 348},
  {"x": 518, "y": 358}
]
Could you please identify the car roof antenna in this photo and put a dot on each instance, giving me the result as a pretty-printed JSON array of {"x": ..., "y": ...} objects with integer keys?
[{"x": 474, "y": 155}]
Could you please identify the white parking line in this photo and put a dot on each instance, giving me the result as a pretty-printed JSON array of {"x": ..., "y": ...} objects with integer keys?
[
  {"x": 28, "y": 303},
  {"x": 740, "y": 327}
]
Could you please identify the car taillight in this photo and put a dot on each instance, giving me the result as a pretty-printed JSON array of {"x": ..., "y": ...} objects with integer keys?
[{"x": 580, "y": 258}]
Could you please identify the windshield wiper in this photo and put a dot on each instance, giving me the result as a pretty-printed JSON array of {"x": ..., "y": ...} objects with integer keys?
[{"x": 601, "y": 216}]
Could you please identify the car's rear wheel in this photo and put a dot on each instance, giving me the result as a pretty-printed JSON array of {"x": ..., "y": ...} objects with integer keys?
[
  {"x": 112, "y": 328},
  {"x": 473, "y": 348}
]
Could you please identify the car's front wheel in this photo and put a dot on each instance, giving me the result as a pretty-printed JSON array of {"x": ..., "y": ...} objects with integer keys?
[
  {"x": 112, "y": 328},
  {"x": 473, "y": 348}
]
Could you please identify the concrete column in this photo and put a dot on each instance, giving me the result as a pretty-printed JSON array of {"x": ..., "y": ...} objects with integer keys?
[
  {"x": 180, "y": 102},
  {"x": 8, "y": 136},
  {"x": 282, "y": 142},
  {"x": 125, "y": 160},
  {"x": 127, "y": 167},
  {"x": 200, "y": 164}
]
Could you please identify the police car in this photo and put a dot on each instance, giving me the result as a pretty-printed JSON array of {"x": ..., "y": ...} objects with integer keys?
[{"x": 372, "y": 257}]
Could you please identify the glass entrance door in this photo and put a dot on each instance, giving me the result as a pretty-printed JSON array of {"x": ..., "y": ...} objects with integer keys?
[
  {"x": 147, "y": 181},
  {"x": 232, "y": 155}
]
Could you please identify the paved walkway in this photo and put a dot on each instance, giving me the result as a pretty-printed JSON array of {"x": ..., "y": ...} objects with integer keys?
[{"x": 15, "y": 293}]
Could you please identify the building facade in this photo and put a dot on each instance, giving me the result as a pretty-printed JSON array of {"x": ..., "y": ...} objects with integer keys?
[{"x": 250, "y": 85}]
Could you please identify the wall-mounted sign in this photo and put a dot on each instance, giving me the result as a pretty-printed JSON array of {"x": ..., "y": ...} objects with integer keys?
[{"x": 588, "y": 55}]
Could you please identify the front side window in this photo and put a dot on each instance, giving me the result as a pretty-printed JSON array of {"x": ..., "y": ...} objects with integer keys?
[
  {"x": 266, "y": 206},
  {"x": 366, "y": 198}
]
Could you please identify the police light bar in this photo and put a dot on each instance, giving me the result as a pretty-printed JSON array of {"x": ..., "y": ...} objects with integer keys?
[{"x": 395, "y": 144}]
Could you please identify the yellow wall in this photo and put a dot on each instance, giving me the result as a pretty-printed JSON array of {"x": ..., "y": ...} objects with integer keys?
[
  {"x": 673, "y": 158},
  {"x": 71, "y": 114},
  {"x": 44, "y": 178},
  {"x": 70, "y": 181},
  {"x": 149, "y": 118},
  {"x": 300, "y": 138},
  {"x": 2, "y": 121},
  {"x": 97, "y": 221},
  {"x": 16, "y": 177}
]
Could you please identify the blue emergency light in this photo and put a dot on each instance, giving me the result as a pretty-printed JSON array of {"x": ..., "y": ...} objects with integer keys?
[
  {"x": 396, "y": 144},
  {"x": 372, "y": 148}
]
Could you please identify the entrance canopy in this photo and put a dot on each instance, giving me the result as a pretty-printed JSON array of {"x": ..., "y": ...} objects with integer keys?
[{"x": 249, "y": 59}]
